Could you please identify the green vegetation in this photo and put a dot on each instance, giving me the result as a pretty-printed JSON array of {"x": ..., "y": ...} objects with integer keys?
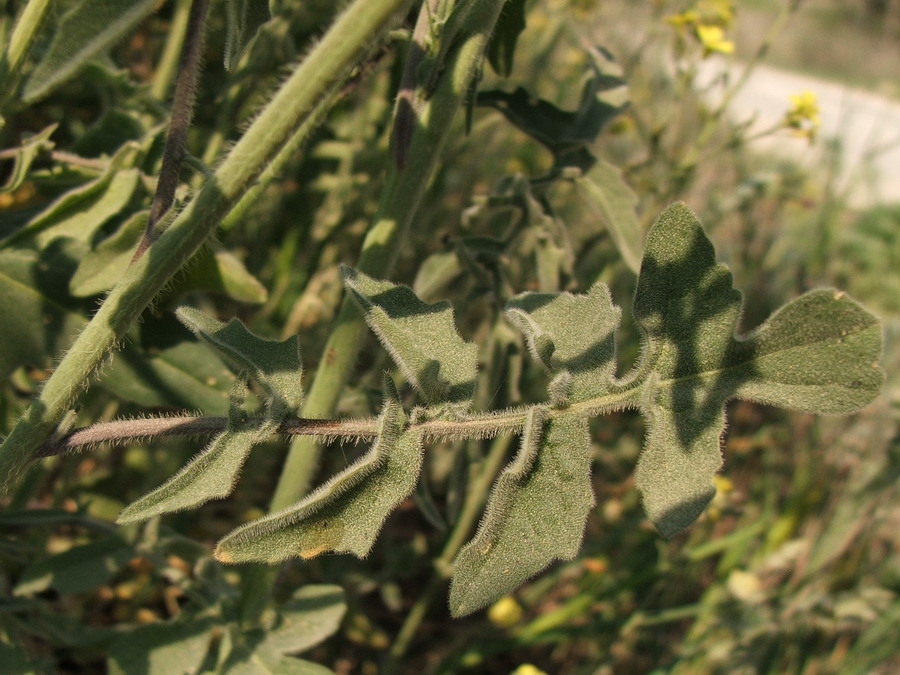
[{"x": 209, "y": 465}]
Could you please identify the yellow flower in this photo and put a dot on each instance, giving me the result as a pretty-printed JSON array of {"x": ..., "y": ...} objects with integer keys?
[
  {"x": 505, "y": 612},
  {"x": 528, "y": 669},
  {"x": 803, "y": 115},
  {"x": 713, "y": 39}
]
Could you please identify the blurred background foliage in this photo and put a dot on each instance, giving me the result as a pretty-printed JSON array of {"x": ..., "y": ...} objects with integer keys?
[{"x": 794, "y": 568}]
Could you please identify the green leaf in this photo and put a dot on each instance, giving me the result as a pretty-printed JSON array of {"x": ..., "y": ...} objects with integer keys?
[
  {"x": 87, "y": 29},
  {"x": 243, "y": 20},
  {"x": 502, "y": 46},
  {"x": 818, "y": 354},
  {"x": 77, "y": 570},
  {"x": 573, "y": 334},
  {"x": 163, "y": 366},
  {"x": 313, "y": 614},
  {"x": 177, "y": 646},
  {"x": 536, "y": 514},
  {"x": 210, "y": 475},
  {"x": 30, "y": 149},
  {"x": 80, "y": 212},
  {"x": 346, "y": 513},
  {"x": 215, "y": 269},
  {"x": 36, "y": 323},
  {"x": 421, "y": 338},
  {"x": 276, "y": 366},
  {"x": 609, "y": 197}
]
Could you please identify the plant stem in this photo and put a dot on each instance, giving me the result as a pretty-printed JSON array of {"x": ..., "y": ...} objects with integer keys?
[
  {"x": 182, "y": 109},
  {"x": 329, "y": 63},
  {"x": 19, "y": 44}
]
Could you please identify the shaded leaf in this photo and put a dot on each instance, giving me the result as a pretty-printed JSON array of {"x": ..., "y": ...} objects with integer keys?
[
  {"x": 572, "y": 334},
  {"x": 211, "y": 474},
  {"x": 177, "y": 646},
  {"x": 818, "y": 354},
  {"x": 502, "y": 46},
  {"x": 88, "y": 28},
  {"x": 102, "y": 267},
  {"x": 26, "y": 153},
  {"x": 36, "y": 324},
  {"x": 276, "y": 366},
  {"x": 421, "y": 338},
  {"x": 80, "y": 212},
  {"x": 346, "y": 513},
  {"x": 78, "y": 569},
  {"x": 313, "y": 614},
  {"x": 536, "y": 514},
  {"x": 609, "y": 197},
  {"x": 215, "y": 269},
  {"x": 243, "y": 20}
]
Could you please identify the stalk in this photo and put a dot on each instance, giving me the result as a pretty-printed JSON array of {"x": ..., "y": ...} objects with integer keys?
[
  {"x": 19, "y": 45},
  {"x": 328, "y": 64}
]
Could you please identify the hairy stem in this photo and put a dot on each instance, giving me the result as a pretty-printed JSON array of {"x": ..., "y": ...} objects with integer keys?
[
  {"x": 182, "y": 111},
  {"x": 329, "y": 63}
]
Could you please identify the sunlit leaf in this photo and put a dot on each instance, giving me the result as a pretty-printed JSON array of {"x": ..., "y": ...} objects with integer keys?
[
  {"x": 177, "y": 646},
  {"x": 87, "y": 29},
  {"x": 572, "y": 334},
  {"x": 421, "y": 338},
  {"x": 346, "y": 513},
  {"x": 819, "y": 354},
  {"x": 536, "y": 514},
  {"x": 276, "y": 366},
  {"x": 212, "y": 474},
  {"x": 612, "y": 200}
]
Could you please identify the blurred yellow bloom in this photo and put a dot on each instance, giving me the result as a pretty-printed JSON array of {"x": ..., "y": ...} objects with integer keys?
[
  {"x": 713, "y": 39},
  {"x": 803, "y": 115},
  {"x": 528, "y": 669},
  {"x": 722, "y": 483},
  {"x": 505, "y": 612}
]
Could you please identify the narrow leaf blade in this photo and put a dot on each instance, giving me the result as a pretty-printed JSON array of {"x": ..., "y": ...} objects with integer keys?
[
  {"x": 83, "y": 32},
  {"x": 421, "y": 338},
  {"x": 243, "y": 19},
  {"x": 536, "y": 514}
]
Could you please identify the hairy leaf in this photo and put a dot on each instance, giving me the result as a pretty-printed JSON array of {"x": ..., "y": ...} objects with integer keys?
[
  {"x": 346, "y": 513},
  {"x": 210, "y": 475},
  {"x": 421, "y": 338},
  {"x": 502, "y": 46},
  {"x": 276, "y": 366},
  {"x": 243, "y": 20},
  {"x": 87, "y": 29},
  {"x": 608, "y": 196},
  {"x": 818, "y": 354},
  {"x": 536, "y": 514},
  {"x": 572, "y": 334}
]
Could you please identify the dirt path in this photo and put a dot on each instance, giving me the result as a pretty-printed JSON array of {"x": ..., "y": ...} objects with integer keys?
[{"x": 865, "y": 126}]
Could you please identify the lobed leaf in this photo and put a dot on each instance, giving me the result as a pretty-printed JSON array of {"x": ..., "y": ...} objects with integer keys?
[
  {"x": 818, "y": 353},
  {"x": 536, "y": 514},
  {"x": 572, "y": 334},
  {"x": 87, "y": 29},
  {"x": 211, "y": 474},
  {"x": 421, "y": 338},
  {"x": 276, "y": 366},
  {"x": 346, "y": 513}
]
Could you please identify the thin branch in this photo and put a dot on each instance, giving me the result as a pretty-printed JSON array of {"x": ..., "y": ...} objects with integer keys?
[
  {"x": 182, "y": 111},
  {"x": 143, "y": 429}
]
